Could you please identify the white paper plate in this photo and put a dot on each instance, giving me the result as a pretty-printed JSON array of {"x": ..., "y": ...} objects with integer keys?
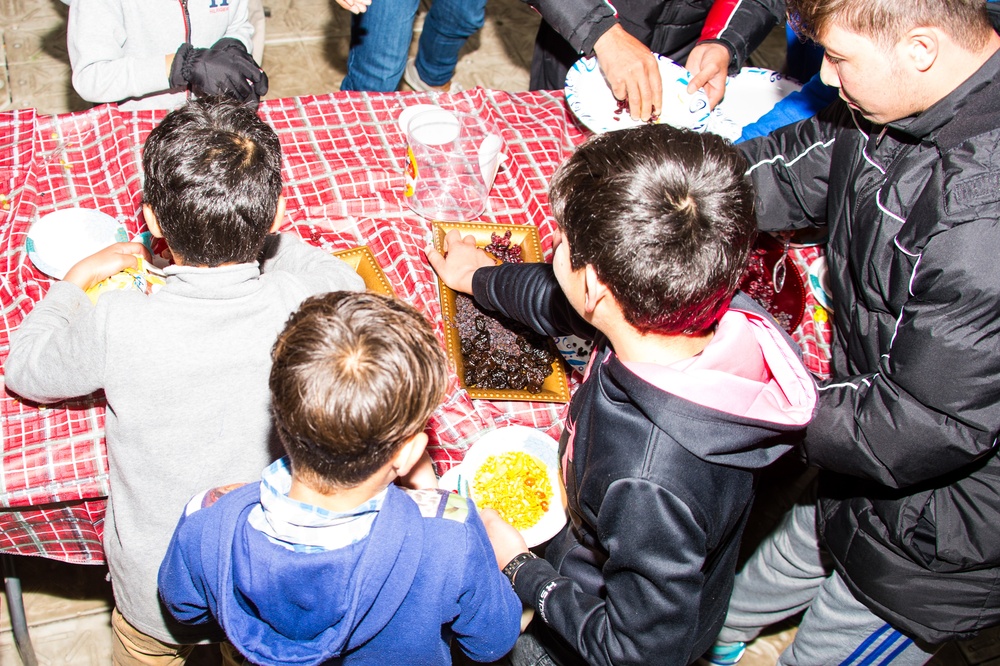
[
  {"x": 57, "y": 241},
  {"x": 591, "y": 100},
  {"x": 749, "y": 95},
  {"x": 819, "y": 283},
  {"x": 526, "y": 440},
  {"x": 575, "y": 350}
]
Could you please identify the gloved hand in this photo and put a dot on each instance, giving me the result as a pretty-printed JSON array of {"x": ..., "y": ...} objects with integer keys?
[{"x": 224, "y": 69}]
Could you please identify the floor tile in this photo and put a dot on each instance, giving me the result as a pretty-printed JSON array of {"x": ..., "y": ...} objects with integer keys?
[
  {"x": 36, "y": 39},
  {"x": 304, "y": 67}
]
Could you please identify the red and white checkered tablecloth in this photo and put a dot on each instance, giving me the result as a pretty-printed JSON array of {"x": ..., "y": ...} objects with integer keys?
[{"x": 343, "y": 173}]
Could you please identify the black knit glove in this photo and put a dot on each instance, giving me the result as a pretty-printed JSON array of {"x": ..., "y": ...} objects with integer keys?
[{"x": 224, "y": 69}]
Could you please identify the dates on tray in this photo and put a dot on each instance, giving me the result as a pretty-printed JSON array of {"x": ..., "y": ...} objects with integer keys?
[{"x": 500, "y": 353}]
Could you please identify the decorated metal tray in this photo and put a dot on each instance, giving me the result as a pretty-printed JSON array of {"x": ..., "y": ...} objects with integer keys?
[
  {"x": 363, "y": 262},
  {"x": 555, "y": 387}
]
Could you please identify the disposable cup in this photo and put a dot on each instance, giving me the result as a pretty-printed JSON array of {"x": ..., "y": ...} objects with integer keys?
[{"x": 452, "y": 160}]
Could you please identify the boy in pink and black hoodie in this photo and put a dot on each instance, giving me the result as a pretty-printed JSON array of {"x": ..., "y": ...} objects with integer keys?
[{"x": 691, "y": 390}]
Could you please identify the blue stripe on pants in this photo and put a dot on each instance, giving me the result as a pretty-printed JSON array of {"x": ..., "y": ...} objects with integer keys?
[
  {"x": 892, "y": 655},
  {"x": 886, "y": 643},
  {"x": 864, "y": 645},
  {"x": 888, "y": 640}
]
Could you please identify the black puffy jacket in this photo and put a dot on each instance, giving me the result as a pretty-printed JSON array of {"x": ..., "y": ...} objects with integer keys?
[
  {"x": 906, "y": 430},
  {"x": 668, "y": 27}
]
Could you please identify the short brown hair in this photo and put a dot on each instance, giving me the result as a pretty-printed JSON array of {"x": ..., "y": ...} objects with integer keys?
[
  {"x": 354, "y": 375},
  {"x": 213, "y": 178},
  {"x": 666, "y": 218},
  {"x": 885, "y": 21}
]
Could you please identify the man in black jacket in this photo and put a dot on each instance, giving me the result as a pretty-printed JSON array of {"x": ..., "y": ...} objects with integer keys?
[{"x": 899, "y": 550}]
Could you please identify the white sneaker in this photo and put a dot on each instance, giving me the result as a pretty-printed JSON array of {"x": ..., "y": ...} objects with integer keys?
[{"x": 412, "y": 78}]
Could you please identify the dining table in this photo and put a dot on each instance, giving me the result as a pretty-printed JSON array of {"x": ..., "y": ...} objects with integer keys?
[{"x": 343, "y": 170}]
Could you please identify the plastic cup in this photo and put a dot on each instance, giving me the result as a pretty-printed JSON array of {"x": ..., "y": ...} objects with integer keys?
[{"x": 452, "y": 160}]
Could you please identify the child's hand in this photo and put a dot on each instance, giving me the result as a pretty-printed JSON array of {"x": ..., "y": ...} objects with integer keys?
[
  {"x": 421, "y": 476},
  {"x": 507, "y": 541},
  {"x": 105, "y": 263},
  {"x": 355, "y": 6},
  {"x": 462, "y": 259}
]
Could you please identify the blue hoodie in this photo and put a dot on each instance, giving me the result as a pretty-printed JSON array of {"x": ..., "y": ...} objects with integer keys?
[{"x": 425, "y": 574}]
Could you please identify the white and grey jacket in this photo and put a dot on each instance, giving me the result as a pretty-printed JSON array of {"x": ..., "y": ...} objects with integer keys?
[{"x": 118, "y": 48}]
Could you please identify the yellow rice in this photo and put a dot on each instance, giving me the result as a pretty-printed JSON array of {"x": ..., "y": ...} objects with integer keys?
[{"x": 516, "y": 485}]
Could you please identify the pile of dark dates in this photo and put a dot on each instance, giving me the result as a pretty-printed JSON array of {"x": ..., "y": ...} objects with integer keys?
[{"x": 500, "y": 353}]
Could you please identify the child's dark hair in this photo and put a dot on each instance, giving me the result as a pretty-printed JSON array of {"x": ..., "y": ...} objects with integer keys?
[
  {"x": 666, "y": 218},
  {"x": 213, "y": 178},
  {"x": 354, "y": 375}
]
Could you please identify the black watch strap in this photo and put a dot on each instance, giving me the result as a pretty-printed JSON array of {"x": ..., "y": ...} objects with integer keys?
[{"x": 511, "y": 569}]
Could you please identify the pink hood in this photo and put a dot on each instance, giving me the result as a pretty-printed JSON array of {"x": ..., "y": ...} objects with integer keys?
[{"x": 746, "y": 370}]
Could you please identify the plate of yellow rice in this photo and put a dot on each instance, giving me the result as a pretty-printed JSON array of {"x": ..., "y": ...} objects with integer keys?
[{"x": 515, "y": 471}]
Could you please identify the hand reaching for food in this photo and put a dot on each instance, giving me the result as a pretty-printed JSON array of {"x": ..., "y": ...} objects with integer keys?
[
  {"x": 632, "y": 72},
  {"x": 507, "y": 542},
  {"x": 460, "y": 261},
  {"x": 103, "y": 264}
]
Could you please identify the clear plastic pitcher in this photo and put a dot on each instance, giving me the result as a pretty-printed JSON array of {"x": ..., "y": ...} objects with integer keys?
[{"x": 452, "y": 160}]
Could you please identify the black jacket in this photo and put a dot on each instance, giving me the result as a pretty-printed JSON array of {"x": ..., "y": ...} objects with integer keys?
[
  {"x": 659, "y": 489},
  {"x": 668, "y": 27},
  {"x": 906, "y": 430}
]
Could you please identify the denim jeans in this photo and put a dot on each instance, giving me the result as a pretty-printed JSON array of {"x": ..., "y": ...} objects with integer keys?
[{"x": 381, "y": 36}]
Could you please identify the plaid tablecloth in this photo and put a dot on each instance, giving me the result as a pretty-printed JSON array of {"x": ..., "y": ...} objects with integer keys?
[{"x": 343, "y": 173}]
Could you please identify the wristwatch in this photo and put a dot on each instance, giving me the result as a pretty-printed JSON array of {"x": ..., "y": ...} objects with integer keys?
[{"x": 512, "y": 567}]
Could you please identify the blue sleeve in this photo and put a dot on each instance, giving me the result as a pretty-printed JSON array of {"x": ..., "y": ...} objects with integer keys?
[
  {"x": 181, "y": 580},
  {"x": 489, "y": 620},
  {"x": 814, "y": 96}
]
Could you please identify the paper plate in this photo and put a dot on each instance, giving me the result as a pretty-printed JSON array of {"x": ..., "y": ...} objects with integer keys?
[
  {"x": 749, "y": 95},
  {"x": 575, "y": 350},
  {"x": 514, "y": 438},
  {"x": 819, "y": 283},
  {"x": 591, "y": 100},
  {"x": 57, "y": 241}
]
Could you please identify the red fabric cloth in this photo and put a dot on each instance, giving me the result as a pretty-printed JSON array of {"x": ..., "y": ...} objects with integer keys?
[{"x": 343, "y": 173}]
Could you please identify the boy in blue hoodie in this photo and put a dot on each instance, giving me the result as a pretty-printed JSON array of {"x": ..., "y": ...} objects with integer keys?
[
  {"x": 691, "y": 390},
  {"x": 326, "y": 560}
]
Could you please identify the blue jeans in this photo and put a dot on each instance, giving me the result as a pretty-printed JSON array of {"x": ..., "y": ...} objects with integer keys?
[{"x": 380, "y": 42}]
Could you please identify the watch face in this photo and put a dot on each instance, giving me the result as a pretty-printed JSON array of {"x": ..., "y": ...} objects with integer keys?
[{"x": 516, "y": 563}]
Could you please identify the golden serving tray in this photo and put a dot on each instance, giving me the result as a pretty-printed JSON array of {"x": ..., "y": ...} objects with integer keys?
[
  {"x": 555, "y": 388},
  {"x": 363, "y": 262}
]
